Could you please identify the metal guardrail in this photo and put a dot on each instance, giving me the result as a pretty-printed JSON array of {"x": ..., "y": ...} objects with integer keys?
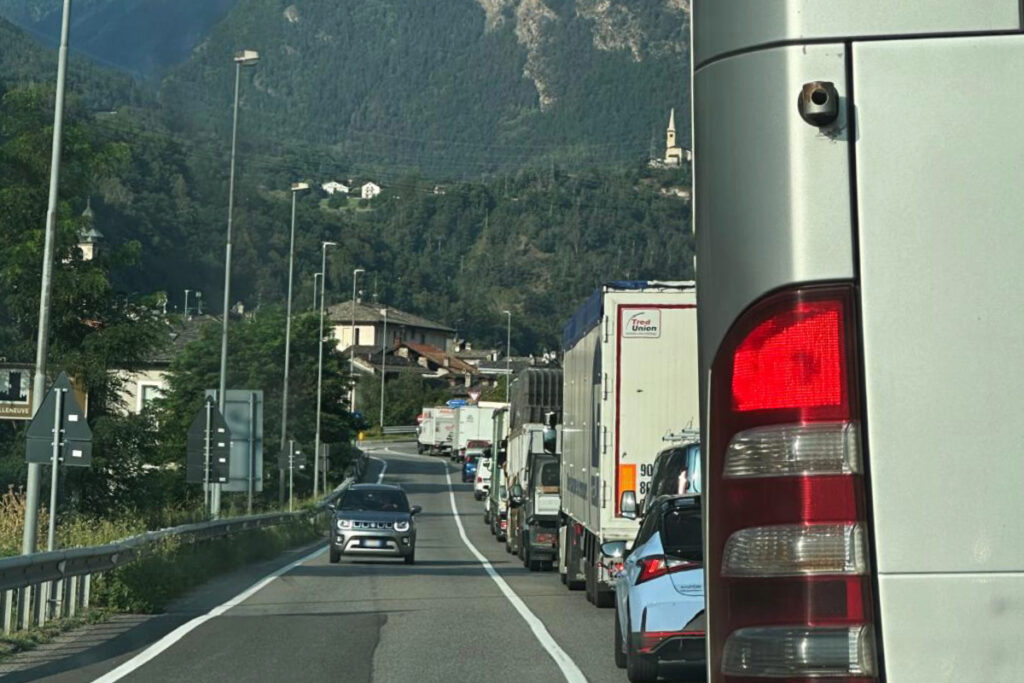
[
  {"x": 411, "y": 429},
  {"x": 42, "y": 586}
]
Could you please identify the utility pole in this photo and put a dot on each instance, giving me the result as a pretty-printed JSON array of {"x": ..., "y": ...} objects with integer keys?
[
  {"x": 383, "y": 366},
  {"x": 508, "y": 355},
  {"x": 28, "y": 540},
  {"x": 296, "y": 188},
  {"x": 320, "y": 364},
  {"x": 243, "y": 58},
  {"x": 352, "y": 341}
]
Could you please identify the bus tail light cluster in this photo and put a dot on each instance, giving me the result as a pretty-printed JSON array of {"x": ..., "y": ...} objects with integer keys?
[{"x": 789, "y": 569}]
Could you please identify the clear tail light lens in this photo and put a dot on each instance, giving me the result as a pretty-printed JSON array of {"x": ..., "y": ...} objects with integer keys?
[
  {"x": 794, "y": 550},
  {"x": 794, "y": 449},
  {"x": 801, "y": 652},
  {"x": 790, "y": 593}
]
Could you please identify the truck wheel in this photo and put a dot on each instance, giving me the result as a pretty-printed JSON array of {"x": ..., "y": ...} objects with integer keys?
[
  {"x": 588, "y": 583},
  {"x": 335, "y": 556},
  {"x": 487, "y": 516},
  {"x": 620, "y": 647},
  {"x": 602, "y": 598}
]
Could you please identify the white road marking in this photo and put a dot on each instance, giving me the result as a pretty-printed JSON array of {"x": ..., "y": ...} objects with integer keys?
[
  {"x": 568, "y": 667},
  {"x": 177, "y": 634},
  {"x": 383, "y": 469}
]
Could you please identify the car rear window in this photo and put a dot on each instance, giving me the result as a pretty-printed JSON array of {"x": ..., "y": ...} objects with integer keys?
[
  {"x": 374, "y": 500},
  {"x": 681, "y": 535}
]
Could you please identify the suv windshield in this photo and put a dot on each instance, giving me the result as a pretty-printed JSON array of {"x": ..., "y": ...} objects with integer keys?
[
  {"x": 681, "y": 535},
  {"x": 375, "y": 500}
]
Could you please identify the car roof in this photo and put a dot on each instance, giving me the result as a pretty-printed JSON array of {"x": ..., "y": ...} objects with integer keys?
[{"x": 374, "y": 487}]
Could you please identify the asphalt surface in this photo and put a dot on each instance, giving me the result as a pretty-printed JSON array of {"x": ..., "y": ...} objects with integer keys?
[{"x": 443, "y": 619}]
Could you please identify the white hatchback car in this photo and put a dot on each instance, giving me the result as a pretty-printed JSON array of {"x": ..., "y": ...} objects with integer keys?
[
  {"x": 659, "y": 593},
  {"x": 482, "y": 479}
]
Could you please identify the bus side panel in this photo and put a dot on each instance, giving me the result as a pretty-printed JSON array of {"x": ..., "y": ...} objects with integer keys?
[{"x": 941, "y": 205}]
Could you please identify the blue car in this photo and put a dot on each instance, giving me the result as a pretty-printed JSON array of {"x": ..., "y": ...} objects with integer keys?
[{"x": 469, "y": 467}]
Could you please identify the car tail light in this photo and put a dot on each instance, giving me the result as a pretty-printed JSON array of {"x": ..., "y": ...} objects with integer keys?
[
  {"x": 504, "y": 523},
  {"x": 659, "y": 565},
  {"x": 789, "y": 568}
]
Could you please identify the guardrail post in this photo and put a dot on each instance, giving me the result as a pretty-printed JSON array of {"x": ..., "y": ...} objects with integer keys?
[
  {"x": 72, "y": 597},
  {"x": 25, "y": 606},
  {"x": 59, "y": 599},
  {"x": 8, "y": 610},
  {"x": 42, "y": 602},
  {"x": 86, "y": 586}
]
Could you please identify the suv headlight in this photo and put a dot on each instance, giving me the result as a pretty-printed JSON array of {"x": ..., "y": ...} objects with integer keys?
[
  {"x": 344, "y": 523},
  {"x": 401, "y": 526}
]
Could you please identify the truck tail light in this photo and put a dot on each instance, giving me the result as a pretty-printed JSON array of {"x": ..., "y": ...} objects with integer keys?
[{"x": 789, "y": 572}]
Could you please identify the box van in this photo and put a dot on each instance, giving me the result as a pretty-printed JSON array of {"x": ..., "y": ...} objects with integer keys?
[{"x": 858, "y": 210}]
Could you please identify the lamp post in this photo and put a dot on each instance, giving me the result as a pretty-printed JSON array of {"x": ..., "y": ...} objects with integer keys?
[
  {"x": 352, "y": 339},
  {"x": 28, "y": 540},
  {"x": 320, "y": 365},
  {"x": 243, "y": 58},
  {"x": 508, "y": 354},
  {"x": 383, "y": 366},
  {"x": 315, "y": 286},
  {"x": 187, "y": 292},
  {"x": 296, "y": 189}
]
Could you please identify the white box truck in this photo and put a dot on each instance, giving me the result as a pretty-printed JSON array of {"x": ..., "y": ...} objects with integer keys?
[
  {"x": 473, "y": 423},
  {"x": 630, "y": 377},
  {"x": 435, "y": 431}
]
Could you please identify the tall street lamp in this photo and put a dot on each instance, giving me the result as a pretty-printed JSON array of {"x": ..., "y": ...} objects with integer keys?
[
  {"x": 28, "y": 539},
  {"x": 243, "y": 58},
  {"x": 383, "y": 365},
  {"x": 508, "y": 354},
  {"x": 352, "y": 339},
  {"x": 315, "y": 288},
  {"x": 296, "y": 189},
  {"x": 320, "y": 365}
]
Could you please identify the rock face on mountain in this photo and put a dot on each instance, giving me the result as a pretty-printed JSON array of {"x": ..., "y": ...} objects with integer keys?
[{"x": 457, "y": 87}]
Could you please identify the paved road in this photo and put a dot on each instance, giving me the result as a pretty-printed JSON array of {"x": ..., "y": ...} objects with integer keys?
[{"x": 363, "y": 620}]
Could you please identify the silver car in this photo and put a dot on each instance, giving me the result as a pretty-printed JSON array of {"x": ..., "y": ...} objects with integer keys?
[
  {"x": 659, "y": 593},
  {"x": 373, "y": 520}
]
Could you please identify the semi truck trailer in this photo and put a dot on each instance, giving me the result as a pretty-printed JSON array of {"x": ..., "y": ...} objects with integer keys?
[{"x": 629, "y": 378}]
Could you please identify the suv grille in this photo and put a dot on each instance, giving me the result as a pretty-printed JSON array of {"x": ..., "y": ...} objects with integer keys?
[{"x": 372, "y": 525}]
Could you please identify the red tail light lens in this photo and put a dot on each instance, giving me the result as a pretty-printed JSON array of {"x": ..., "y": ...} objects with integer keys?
[
  {"x": 479, "y": 480},
  {"x": 788, "y": 576},
  {"x": 655, "y": 566}
]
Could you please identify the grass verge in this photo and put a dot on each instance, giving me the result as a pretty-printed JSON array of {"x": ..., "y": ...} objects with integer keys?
[
  {"x": 20, "y": 641},
  {"x": 169, "y": 568}
]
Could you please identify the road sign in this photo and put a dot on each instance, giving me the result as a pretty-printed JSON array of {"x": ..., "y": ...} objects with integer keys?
[
  {"x": 15, "y": 392},
  {"x": 243, "y": 413},
  {"x": 298, "y": 457},
  {"x": 209, "y": 446},
  {"x": 474, "y": 395},
  {"x": 60, "y": 415}
]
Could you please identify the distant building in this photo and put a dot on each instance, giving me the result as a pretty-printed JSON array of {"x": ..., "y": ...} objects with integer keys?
[
  {"x": 334, "y": 187},
  {"x": 89, "y": 236},
  {"x": 674, "y": 154},
  {"x": 369, "y": 190},
  {"x": 369, "y": 327}
]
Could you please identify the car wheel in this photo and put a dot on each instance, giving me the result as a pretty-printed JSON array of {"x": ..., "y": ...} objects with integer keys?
[
  {"x": 411, "y": 558},
  {"x": 620, "y": 647},
  {"x": 639, "y": 668},
  {"x": 335, "y": 556}
]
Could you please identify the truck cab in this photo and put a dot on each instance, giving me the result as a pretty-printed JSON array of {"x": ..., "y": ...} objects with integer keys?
[{"x": 858, "y": 219}]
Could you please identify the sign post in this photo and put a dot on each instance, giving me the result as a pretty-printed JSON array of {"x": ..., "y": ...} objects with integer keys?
[
  {"x": 58, "y": 434},
  {"x": 289, "y": 461},
  {"x": 209, "y": 450}
]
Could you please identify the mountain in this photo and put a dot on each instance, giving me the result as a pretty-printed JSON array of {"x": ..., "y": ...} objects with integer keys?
[
  {"x": 455, "y": 87},
  {"x": 142, "y": 37}
]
